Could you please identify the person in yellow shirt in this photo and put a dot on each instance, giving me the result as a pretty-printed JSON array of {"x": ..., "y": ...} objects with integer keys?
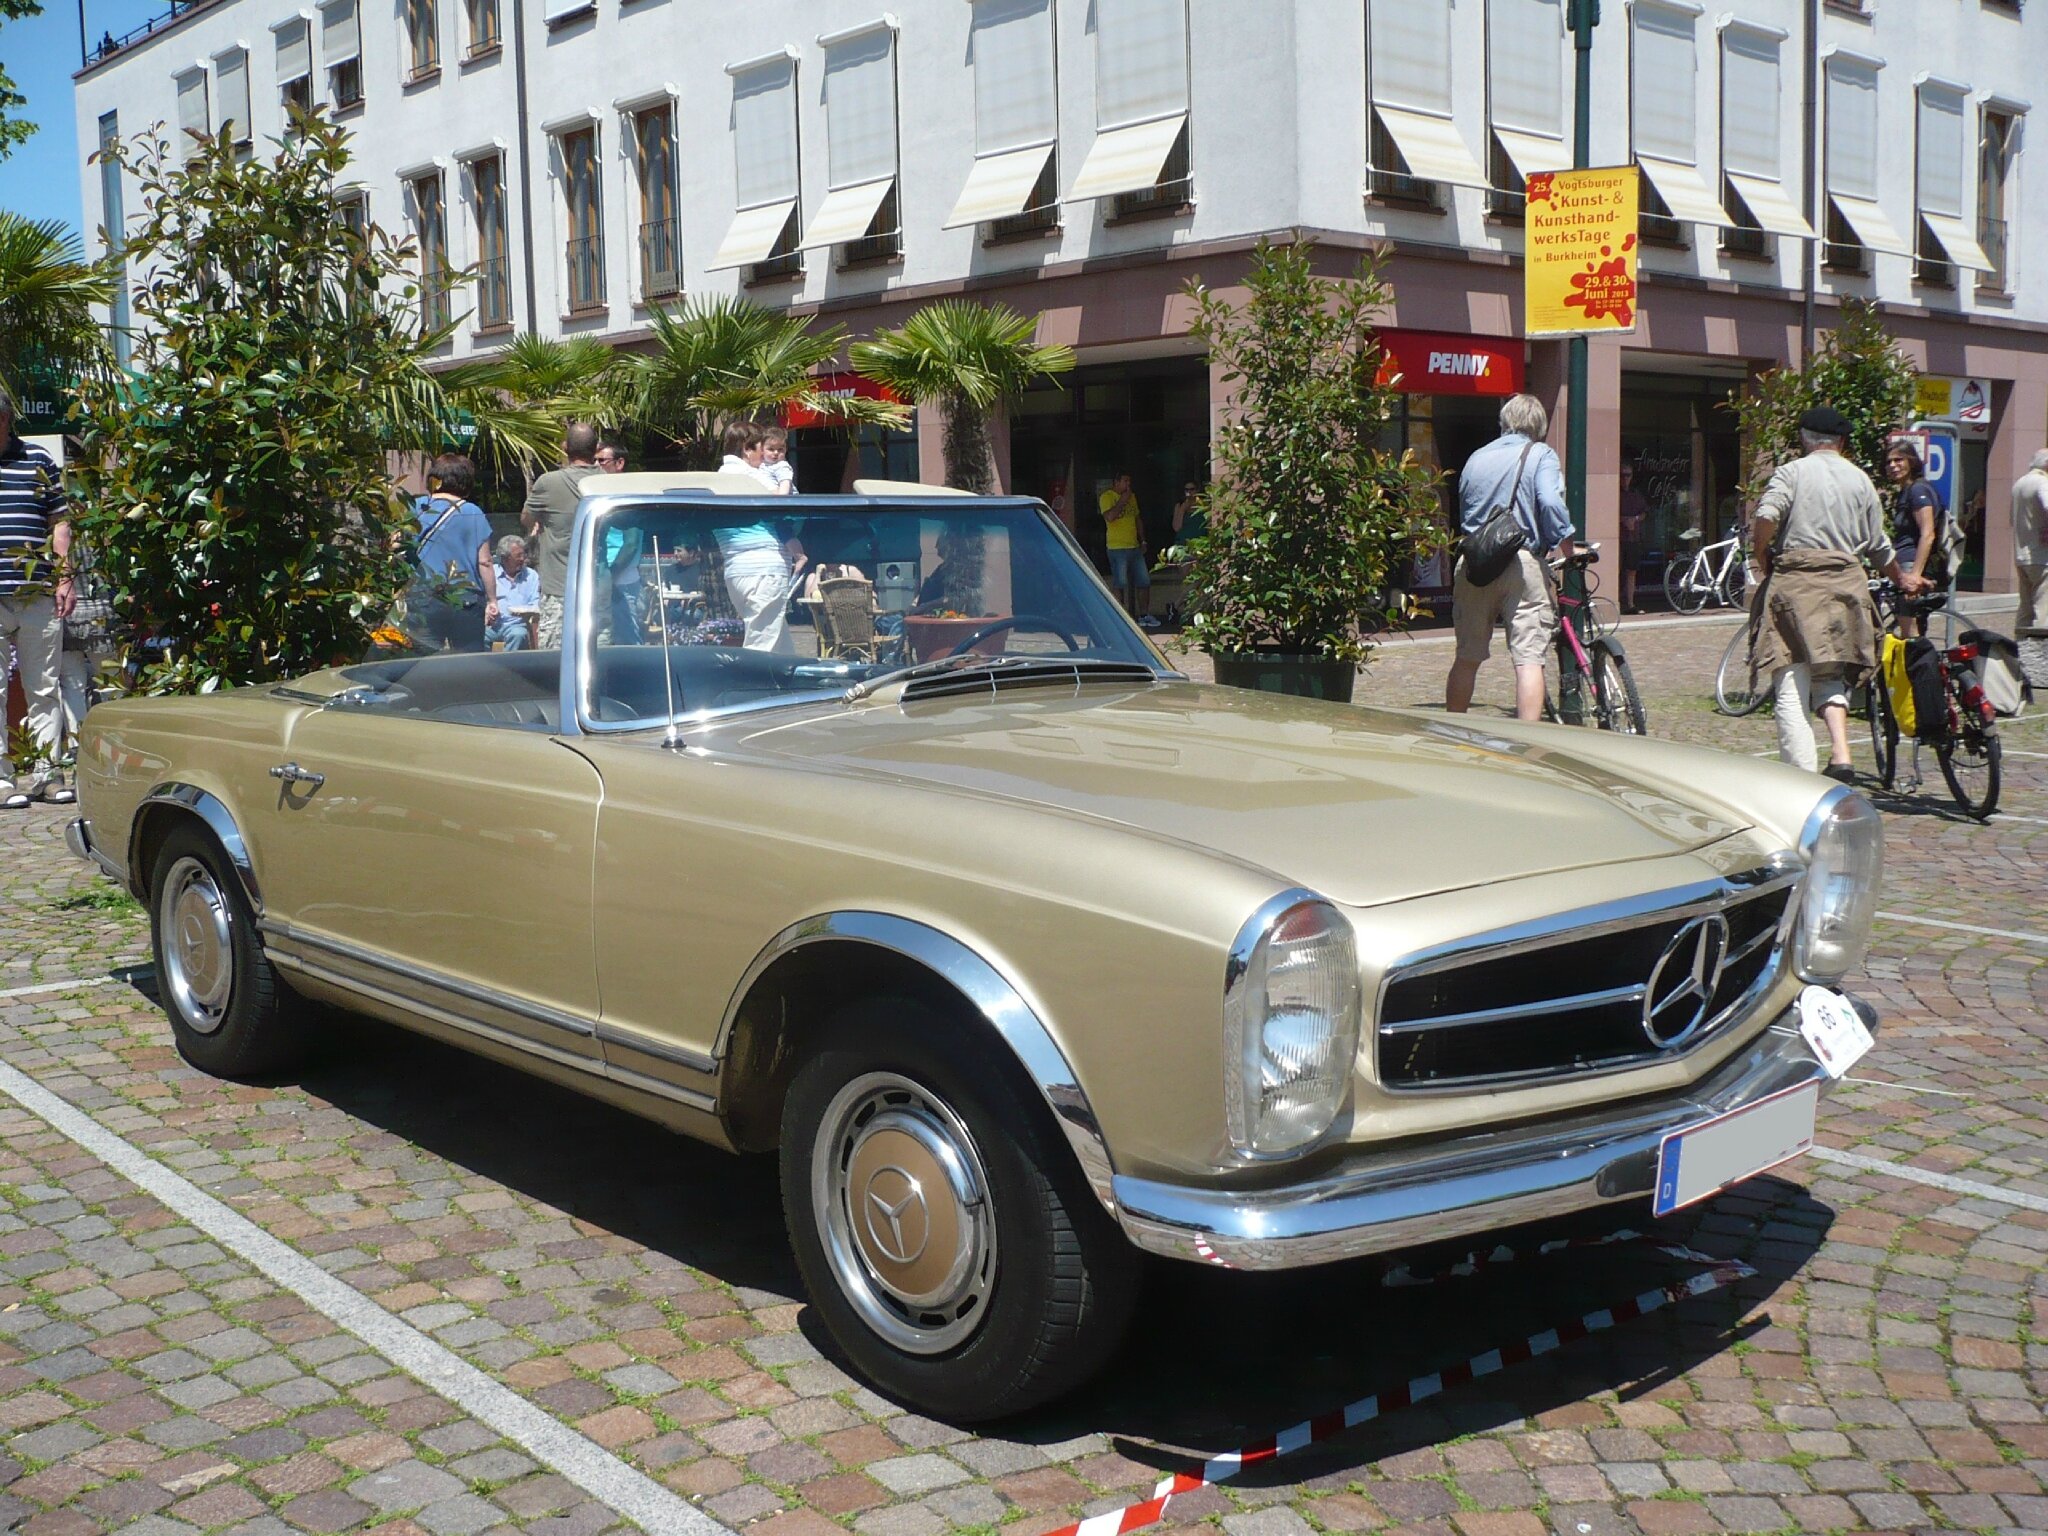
[{"x": 1126, "y": 542}]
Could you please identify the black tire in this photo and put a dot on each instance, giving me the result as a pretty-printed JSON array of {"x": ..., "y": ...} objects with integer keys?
[
  {"x": 1619, "y": 707},
  {"x": 1048, "y": 1282},
  {"x": 1684, "y": 596},
  {"x": 1735, "y": 582},
  {"x": 1884, "y": 733},
  {"x": 1735, "y": 692},
  {"x": 219, "y": 989},
  {"x": 1970, "y": 761}
]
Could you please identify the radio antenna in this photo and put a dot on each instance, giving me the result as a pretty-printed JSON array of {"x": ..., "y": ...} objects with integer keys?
[{"x": 668, "y": 669}]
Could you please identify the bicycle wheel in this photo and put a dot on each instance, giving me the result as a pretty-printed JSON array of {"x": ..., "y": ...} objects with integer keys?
[
  {"x": 1735, "y": 583},
  {"x": 1884, "y": 733},
  {"x": 1617, "y": 704},
  {"x": 1735, "y": 693},
  {"x": 1970, "y": 763},
  {"x": 1682, "y": 585}
]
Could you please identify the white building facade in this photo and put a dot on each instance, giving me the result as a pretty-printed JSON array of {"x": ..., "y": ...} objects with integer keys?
[{"x": 1083, "y": 159}]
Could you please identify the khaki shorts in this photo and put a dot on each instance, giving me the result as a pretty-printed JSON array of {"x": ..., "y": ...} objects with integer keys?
[{"x": 1519, "y": 597}]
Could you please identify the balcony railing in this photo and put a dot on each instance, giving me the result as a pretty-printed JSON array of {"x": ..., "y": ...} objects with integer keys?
[
  {"x": 586, "y": 273},
  {"x": 434, "y": 288},
  {"x": 493, "y": 293},
  {"x": 1995, "y": 237},
  {"x": 661, "y": 268}
]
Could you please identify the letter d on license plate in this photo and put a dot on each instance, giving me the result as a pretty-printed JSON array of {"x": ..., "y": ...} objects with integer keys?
[{"x": 1705, "y": 1159}]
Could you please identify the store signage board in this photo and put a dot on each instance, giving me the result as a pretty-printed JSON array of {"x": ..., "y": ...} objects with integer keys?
[
  {"x": 1965, "y": 402},
  {"x": 834, "y": 386},
  {"x": 1447, "y": 363},
  {"x": 1580, "y": 244}
]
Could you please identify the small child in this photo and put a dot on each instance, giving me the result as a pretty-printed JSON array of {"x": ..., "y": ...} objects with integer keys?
[{"x": 775, "y": 466}]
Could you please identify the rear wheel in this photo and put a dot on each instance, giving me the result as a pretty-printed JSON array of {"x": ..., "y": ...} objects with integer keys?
[
  {"x": 1686, "y": 594},
  {"x": 1884, "y": 733},
  {"x": 944, "y": 1232},
  {"x": 1735, "y": 689},
  {"x": 1970, "y": 763},
  {"x": 1735, "y": 582},
  {"x": 1620, "y": 707}
]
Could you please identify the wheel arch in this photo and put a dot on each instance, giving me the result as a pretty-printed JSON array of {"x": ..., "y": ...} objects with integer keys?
[
  {"x": 167, "y": 805},
  {"x": 812, "y": 965}
]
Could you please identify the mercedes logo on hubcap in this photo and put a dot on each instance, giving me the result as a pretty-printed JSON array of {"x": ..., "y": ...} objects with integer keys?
[
  {"x": 1680, "y": 996},
  {"x": 894, "y": 1214}
]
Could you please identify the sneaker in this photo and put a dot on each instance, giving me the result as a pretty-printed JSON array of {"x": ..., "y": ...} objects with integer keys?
[{"x": 1148, "y": 622}]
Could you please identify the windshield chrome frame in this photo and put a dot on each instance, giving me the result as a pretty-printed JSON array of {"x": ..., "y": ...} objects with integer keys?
[{"x": 580, "y": 618}]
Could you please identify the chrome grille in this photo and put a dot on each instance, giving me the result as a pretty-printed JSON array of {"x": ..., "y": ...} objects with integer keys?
[
  {"x": 1050, "y": 673},
  {"x": 1570, "y": 1000}
]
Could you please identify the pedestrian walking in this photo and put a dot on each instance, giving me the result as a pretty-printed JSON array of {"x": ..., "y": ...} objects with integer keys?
[
  {"x": 518, "y": 596},
  {"x": 1813, "y": 629},
  {"x": 1520, "y": 471},
  {"x": 36, "y": 596},
  {"x": 453, "y": 599},
  {"x": 2030, "y": 567},
  {"x": 1124, "y": 536},
  {"x": 549, "y": 515}
]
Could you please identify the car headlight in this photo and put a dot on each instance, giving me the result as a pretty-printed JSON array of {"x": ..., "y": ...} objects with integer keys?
[
  {"x": 1290, "y": 1024},
  {"x": 1843, "y": 845}
]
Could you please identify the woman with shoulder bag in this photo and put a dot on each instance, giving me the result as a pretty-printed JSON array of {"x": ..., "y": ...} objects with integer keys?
[{"x": 1919, "y": 524}]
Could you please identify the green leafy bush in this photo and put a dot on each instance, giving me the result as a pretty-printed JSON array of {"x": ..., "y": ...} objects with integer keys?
[{"x": 1857, "y": 368}]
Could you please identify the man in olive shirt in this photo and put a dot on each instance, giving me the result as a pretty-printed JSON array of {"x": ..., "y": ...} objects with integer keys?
[{"x": 550, "y": 514}]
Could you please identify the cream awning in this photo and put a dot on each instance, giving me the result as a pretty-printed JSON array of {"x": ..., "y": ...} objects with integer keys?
[
  {"x": 1956, "y": 239},
  {"x": 999, "y": 186},
  {"x": 1431, "y": 147},
  {"x": 1871, "y": 225},
  {"x": 753, "y": 235},
  {"x": 1772, "y": 208},
  {"x": 846, "y": 214},
  {"x": 1533, "y": 152},
  {"x": 1126, "y": 159},
  {"x": 1685, "y": 192}
]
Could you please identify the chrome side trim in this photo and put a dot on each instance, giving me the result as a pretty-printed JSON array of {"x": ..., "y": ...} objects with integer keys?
[
  {"x": 1377, "y": 1201},
  {"x": 1569, "y": 1004},
  {"x": 78, "y": 838},
  {"x": 612, "y": 1038},
  {"x": 219, "y": 821},
  {"x": 991, "y": 996}
]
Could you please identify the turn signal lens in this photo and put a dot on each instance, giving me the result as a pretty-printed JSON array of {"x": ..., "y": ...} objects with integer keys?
[{"x": 1290, "y": 1016}]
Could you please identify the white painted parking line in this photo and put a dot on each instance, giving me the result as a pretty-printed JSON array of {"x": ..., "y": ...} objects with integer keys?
[
  {"x": 581, "y": 1461},
  {"x": 71, "y": 984},
  {"x": 1928, "y": 1176},
  {"x": 1884, "y": 1082},
  {"x": 2032, "y": 821},
  {"x": 1989, "y": 933}
]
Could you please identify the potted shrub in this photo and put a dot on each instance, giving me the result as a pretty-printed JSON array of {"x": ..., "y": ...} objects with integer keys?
[{"x": 1309, "y": 518}]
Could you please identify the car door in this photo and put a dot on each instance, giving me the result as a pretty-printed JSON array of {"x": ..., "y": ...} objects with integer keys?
[{"x": 445, "y": 866}]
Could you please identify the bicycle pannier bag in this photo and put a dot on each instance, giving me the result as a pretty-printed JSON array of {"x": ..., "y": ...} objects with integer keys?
[
  {"x": 1898, "y": 687},
  {"x": 1998, "y": 669},
  {"x": 1930, "y": 699},
  {"x": 1493, "y": 547}
]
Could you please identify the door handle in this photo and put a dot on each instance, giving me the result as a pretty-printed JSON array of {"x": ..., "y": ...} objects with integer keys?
[{"x": 292, "y": 773}]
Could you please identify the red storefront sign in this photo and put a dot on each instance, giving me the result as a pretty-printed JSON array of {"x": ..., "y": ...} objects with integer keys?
[
  {"x": 1445, "y": 363},
  {"x": 835, "y": 386}
]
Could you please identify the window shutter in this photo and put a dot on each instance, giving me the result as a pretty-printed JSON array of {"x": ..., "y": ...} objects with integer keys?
[
  {"x": 1941, "y": 151},
  {"x": 1141, "y": 60},
  {"x": 294, "y": 52},
  {"x": 340, "y": 37},
  {"x": 1664, "y": 88},
  {"x": 1011, "y": 45},
  {"x": 764, "y": 133},
  {"x": 192, "y": 114},
  {"x": 233, "y": 84},
  {"x": 1749, "y": 103},
  {"x": 860, "y": 108},
  {"x": 1525, "y": 65},
  {"x": 1410, "y": 45},
  {"x": 1852, "y": 146}
]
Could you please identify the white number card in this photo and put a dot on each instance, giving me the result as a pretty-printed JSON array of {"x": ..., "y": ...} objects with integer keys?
[{"x": 1832, "y": 1029}]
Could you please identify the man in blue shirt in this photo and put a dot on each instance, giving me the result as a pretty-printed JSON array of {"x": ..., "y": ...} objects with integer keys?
[{"x": 1519, "y": 465}]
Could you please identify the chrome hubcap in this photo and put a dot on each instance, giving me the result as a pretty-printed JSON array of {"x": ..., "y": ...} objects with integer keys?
[
  {"x": 198, "y": 945},
  {"x": 902, "y": 1197}
]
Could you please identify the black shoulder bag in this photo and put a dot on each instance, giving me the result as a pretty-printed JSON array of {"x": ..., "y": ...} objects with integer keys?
[{"x": 1492, "y": 547}]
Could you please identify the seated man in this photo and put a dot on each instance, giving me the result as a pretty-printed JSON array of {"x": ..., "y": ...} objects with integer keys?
[{"x": 518, "y": 596}]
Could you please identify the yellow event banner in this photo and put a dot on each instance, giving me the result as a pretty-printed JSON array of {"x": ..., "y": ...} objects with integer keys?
[{"x": 1581, "y": 251}]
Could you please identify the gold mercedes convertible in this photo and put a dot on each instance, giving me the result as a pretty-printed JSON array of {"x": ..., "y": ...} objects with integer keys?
[{"x": 868, "y": 831}]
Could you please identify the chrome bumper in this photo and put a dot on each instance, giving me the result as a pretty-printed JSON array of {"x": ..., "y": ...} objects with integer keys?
[
  {"x": 1380, "y": 1201},
  {"x": 78, "y": 838}
]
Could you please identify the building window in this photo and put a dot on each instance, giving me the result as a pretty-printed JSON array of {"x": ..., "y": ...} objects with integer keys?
[
  {"x": 493, "y": 267},
  {"x": 654, "y": 153},
  {"x": 430, "y": 227},
  {"x": 193, "y": 122},
  {"x": 859, "y": 209},
  {"x": 1753, "y": 192},
  {"x": 353, "y": 209},
  {"x": 114, "y": 225},
  {"x": 422, "y": 39},
  {"x": 1997, "y": 183},
  {"x": 1014, "y": 186},
  {"x": 1413, "y": 145},
  {"x": 763, "y": 235},
  {"x": 231, "y": 87},
  {"x": 295, "y": 67},
  {"x": 1171, "y": 192},
  {"x": 1855, "y": 223},
  {"x": 341, "y": 45},
  {"x": 482, "y": 16},
  {"x": 582, "y": 198},
  {"x": 1141, "y": 107},
  {"x": 1945, "y": 237},
  {"x": 1525, "y": 90},
  {"x": 1663, "y": 98}
]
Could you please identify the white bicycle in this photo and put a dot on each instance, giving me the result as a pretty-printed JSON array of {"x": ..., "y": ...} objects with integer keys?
[{"x": 1719, "y": 572}]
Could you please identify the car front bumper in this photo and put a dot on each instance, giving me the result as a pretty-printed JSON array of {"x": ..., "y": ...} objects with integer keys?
[
  {"x": 1419, "y": 1193},
  {"x": 78, "y": 838}
]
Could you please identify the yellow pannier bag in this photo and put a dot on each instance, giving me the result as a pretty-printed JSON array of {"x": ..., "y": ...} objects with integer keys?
[{"x": 1891, "y": 663}]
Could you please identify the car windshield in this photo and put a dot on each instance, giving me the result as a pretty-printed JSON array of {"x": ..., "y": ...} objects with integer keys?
[{"x": 709, "y": 605}]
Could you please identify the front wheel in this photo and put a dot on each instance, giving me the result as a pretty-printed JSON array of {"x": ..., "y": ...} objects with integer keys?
[
  {"x": 1686, "y": 594},
  {"x": 1970, "y": 763},
  {"x": 1884, "y": 732},
  {"x": 1735, "y": 688},
  {"x": 1614, "y": 694},
  {"x": 942, "y": 1227}
]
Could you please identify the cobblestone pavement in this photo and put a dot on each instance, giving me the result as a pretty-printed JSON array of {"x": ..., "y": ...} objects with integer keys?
[{"x": 1886, "y": 1369}]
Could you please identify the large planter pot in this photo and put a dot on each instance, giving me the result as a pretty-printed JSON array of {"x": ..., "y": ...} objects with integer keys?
[
  {"x": 1312, "y": 677},
  {"x": 929, "y": 636}
]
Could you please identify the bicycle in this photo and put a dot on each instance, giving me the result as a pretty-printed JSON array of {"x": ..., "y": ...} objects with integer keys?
[
  {"x": 1617, "y": 706},
  {"x": 1736, "y": 691},
  {"x": 1964, "y": 737},
  {"x": 1719, "y": 571}
]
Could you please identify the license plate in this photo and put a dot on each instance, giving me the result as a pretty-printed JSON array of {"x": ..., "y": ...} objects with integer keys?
[{"x": 1705, "y": 1159}]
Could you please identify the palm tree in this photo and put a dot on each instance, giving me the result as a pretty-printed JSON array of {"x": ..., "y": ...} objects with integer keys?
[
  {"x": 967, "y": 359},
  {"x": 721, "y": 359},
  {"x": 47, "y": 290}
]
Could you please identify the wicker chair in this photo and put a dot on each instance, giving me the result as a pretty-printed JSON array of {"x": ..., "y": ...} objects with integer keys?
[{"x": 846, "y": 618}]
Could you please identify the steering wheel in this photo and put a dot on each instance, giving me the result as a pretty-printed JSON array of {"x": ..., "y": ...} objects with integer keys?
[{"x": 1014, "y": 621}]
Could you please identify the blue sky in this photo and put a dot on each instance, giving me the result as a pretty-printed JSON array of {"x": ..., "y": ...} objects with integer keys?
[{"x": 41, "y": 177}]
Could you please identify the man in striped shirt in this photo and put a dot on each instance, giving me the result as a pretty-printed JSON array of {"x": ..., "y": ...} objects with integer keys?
[{"x": 35, "y": 599}]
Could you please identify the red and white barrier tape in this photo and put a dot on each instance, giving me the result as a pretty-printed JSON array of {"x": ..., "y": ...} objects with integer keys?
[{"x": 1324, "y": 1426}]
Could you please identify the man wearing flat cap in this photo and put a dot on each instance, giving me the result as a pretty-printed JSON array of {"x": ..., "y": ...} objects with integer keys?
[{"x": 1812, "y": 628}]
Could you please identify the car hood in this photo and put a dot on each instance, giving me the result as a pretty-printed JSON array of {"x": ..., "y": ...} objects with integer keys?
[{"x": 1363, "y": 805}]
